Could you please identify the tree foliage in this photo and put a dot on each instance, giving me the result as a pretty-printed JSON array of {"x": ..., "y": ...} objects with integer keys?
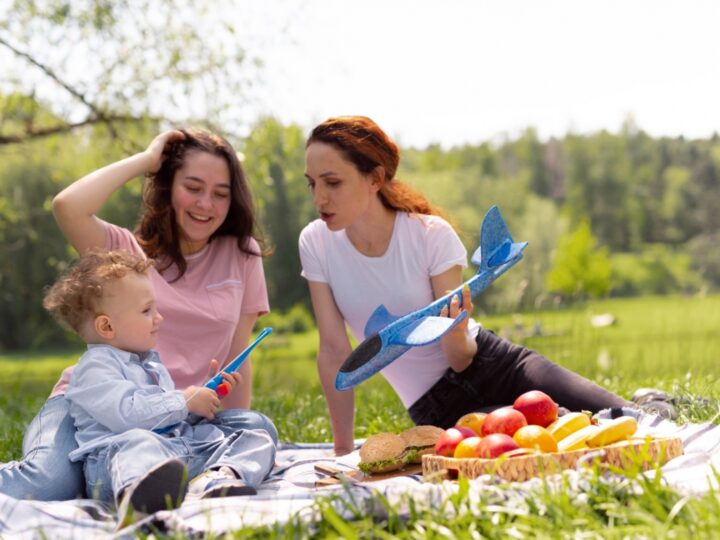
[
  {"x": 93, "y": 62},
  {"x": 580, "y": 268},
  {"x": 275, "y": 165},
  {"x": 659, "y": 234}
]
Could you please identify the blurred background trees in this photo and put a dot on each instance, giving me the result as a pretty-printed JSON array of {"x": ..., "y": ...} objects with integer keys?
[
  {"x": 659, "y": 236},
  {"x": 85, "y": 83}
]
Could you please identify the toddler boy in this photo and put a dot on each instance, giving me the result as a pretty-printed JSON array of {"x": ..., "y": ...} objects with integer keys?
[{"x": 134, "y": 438}]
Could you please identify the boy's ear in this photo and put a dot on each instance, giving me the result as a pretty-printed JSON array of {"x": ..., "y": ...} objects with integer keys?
[{"x": 104, "y": 327}]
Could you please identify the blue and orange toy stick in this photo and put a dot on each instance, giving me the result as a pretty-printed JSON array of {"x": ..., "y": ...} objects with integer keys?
[{"x": 216, "y": 383}]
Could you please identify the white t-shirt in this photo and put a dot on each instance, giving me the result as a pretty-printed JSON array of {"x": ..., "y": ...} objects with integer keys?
[{"x": 421, "y": 247}]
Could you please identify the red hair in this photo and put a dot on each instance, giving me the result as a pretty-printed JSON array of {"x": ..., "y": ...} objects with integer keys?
[{"x": 364, "y": 144}]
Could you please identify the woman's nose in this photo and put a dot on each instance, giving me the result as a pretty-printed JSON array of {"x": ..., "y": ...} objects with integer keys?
[
  {"x": 319, "y": 196},
  {"x": 203, "y": 201}
]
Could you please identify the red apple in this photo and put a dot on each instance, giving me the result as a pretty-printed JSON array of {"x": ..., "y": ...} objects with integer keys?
[
  {"x": 495, "y": 445},
  {"x": 506, "y": 420},
  {"x": 448, "y": 440},
  {"x": 466, "y": 432},
  {"x": 539, "y": 408}
]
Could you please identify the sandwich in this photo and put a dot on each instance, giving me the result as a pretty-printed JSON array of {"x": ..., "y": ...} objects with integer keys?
[
  {"x": 387, "y": 452},
  {"x": 383, "y": 452},
  {"x": 420, "y": 440}
]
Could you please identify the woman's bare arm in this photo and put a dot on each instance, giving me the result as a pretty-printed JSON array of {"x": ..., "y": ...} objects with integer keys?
[{"x": 334, "y": 348}]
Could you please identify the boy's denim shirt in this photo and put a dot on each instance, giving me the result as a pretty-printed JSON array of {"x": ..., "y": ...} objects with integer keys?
[{"x": 112, "y": 391}]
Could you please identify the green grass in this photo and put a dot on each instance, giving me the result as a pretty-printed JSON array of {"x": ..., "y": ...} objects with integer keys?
[{"x": 670, "y": 343}]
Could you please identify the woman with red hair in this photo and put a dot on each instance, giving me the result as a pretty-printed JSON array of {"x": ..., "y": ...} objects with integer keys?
[{"x": 380, "y": 242}]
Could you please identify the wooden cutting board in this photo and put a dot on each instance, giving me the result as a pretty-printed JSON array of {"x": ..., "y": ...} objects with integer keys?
[{"x": 334, "y": 475}]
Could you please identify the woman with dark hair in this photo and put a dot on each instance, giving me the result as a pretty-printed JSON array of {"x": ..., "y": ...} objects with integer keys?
[
  {"x": 199, "y": 228},
  {"x": 390, "y": 246}
]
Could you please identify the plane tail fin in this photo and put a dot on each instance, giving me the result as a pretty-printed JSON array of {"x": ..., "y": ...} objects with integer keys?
[{"x": 496, "y": 244}]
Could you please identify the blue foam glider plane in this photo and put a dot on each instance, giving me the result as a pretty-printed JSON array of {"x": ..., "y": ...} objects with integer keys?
[{"x": 388, "y": 336}]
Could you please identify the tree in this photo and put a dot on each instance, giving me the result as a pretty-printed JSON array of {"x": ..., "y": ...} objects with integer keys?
[
  {"x": 32, "y": 248},
  {"x": 598, "y": 188},
  {"x": 106, "y": 62},
  {"x": 275, "y": 167},
  {"x": 31, "y": 251},
  {"x": 580, "y": 269},
  {"x": 532, "y": 153}
]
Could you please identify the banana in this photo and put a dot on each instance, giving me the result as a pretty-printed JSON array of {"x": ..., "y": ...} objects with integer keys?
[
  {"x": 577, "y": 440},
  {"x": 616, "y": 430},
  {"x": 568, "y": 424}
]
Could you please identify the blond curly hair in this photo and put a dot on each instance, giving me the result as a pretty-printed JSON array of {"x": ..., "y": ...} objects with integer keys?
[{"x": 75, "y": 296}]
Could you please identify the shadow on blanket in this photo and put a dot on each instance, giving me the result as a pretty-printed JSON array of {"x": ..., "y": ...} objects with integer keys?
[{"x": 290, "y": 492}]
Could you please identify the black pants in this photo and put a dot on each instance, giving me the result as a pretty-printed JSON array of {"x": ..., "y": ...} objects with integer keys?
[{"x": 500, "y": 372}]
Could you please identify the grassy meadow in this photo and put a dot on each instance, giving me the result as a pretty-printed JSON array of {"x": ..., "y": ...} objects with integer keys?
[{"x": 670, "y": 343}]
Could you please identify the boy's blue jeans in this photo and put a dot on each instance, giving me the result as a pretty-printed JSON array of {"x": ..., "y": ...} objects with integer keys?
[
  {"x": 46, "y": 474},
  {"x": 250, "y": 453}
]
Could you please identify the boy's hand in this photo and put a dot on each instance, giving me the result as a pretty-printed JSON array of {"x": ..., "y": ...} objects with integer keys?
[
  {"x": 230, "y": 380},
  {"x": 201, "y": 401}
]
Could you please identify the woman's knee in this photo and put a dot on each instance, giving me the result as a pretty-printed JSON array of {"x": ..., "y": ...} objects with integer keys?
[
  {"x": 48, "y": 476},
  {"x": 45, "y": 472}
]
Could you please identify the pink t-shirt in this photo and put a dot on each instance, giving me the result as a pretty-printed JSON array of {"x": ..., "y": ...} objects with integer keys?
[{"x": 201, "y": 310}]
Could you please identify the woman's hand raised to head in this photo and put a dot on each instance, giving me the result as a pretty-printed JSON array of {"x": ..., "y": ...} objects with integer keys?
[
  {"x": 76, "y": 206},
  {"x": 157, "y": 146}
]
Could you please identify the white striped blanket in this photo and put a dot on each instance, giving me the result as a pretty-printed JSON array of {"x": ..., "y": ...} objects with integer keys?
[{"x": 290, "y": 493}]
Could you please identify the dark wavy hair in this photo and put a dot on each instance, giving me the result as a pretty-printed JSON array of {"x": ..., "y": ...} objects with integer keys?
[
  {"x": 158, "y": 233},
  {"x": 361, "y": 141}
]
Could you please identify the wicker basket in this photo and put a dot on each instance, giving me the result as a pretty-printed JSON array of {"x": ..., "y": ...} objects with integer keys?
[{"x": 624, "y": 455}]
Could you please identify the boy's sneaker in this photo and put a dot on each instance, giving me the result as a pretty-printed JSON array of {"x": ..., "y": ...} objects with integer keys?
[
  {"x": 161, "y": 488},
  {"x": 220, "y": 482}
]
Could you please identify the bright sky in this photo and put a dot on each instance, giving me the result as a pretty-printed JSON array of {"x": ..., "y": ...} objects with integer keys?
[{"x": 454, "y": 71}]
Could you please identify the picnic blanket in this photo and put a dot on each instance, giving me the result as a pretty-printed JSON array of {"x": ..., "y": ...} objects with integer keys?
[{"x": 291, "y": 493}]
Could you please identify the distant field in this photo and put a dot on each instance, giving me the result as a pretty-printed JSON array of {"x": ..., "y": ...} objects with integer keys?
[
  {"x": 658, "y": 341},
  {"x": 672, "y": 343}
]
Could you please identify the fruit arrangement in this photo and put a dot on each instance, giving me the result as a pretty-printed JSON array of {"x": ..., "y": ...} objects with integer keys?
[
  {"x": 528, "y": 438},
  {"x": 530, "y": 426}
]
